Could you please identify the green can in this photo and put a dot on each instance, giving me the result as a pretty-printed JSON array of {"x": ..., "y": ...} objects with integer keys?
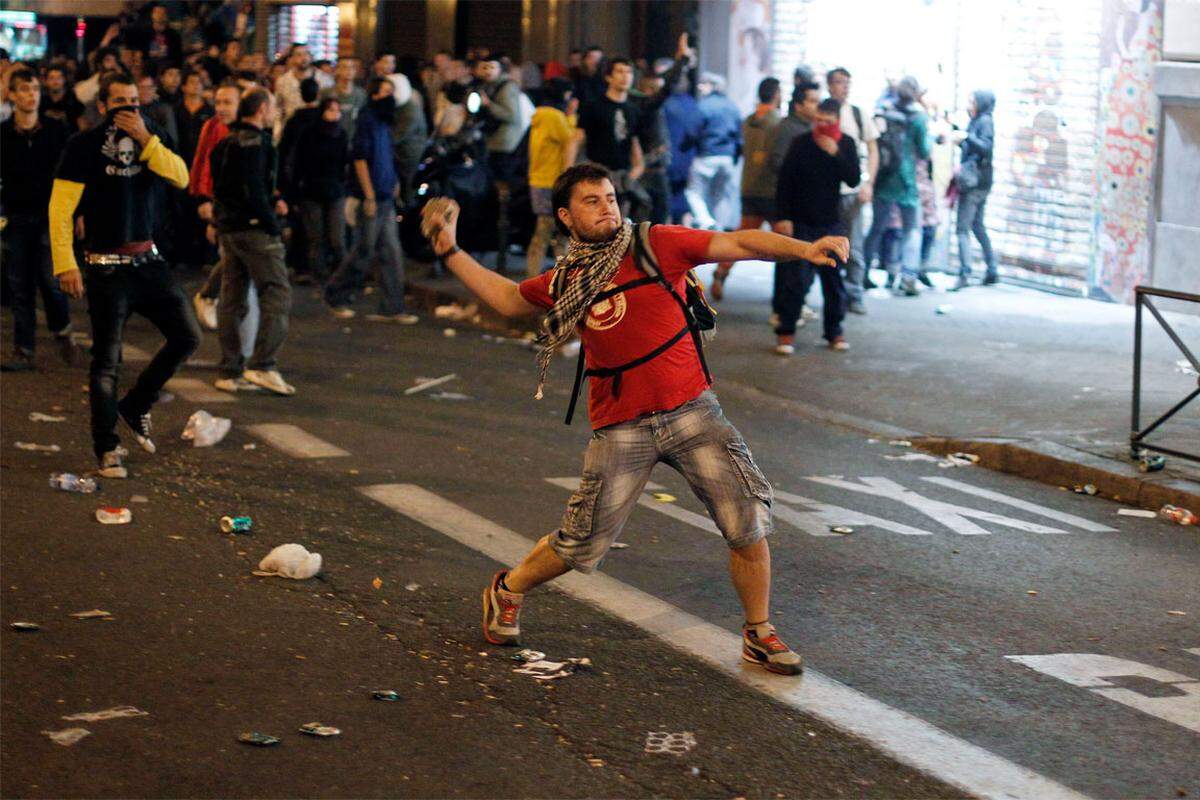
[{"x": 236, "y": 524}]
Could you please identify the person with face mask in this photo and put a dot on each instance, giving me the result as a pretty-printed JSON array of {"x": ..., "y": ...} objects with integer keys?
[
  {"x": 375, "y": 182},
  {"x": 319, "y": 187},
  {"x": 649, "y": 398},
  {"x": 112, "y": 173}
]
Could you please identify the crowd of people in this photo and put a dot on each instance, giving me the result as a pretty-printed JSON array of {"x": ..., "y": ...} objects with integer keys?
[{"x": 314, "y": 172}]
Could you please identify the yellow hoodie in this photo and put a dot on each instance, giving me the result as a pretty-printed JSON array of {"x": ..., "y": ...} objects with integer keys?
[{"x": 549, "y": 134}]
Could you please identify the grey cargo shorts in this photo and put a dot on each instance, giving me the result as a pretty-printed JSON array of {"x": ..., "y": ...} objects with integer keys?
[{"x": 697, "y": 441}]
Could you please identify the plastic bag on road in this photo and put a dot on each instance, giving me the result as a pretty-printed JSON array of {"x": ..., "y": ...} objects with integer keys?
[
  {"x": 291, "y": 561},
  {"x": 67, "y": 736},
  {"x": 118, "y": 712},
  {"x": 205, "y": 430}
]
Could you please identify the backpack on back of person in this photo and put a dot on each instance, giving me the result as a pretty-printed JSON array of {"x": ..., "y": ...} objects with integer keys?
[
  {"x": 892, "y": 142},
  {"x": 700, "y": 320}
]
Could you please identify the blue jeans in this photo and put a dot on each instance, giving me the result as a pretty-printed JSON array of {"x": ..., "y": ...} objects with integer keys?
[
  {"x": 347, "y": 282},
  {"x": 910, "y": 246},
  {"x": 970, "y": 221},
  {"x": 698, "y": 442}
]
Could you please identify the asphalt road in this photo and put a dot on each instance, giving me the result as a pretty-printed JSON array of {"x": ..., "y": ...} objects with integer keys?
[{"x": 934, "y": 606}]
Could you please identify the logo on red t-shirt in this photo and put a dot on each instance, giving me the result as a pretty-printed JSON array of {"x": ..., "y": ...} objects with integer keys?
[{"x": 607, "y": 313}]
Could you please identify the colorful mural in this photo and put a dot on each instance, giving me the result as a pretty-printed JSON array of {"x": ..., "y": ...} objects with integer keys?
[{"x": 1125, "y": 160}]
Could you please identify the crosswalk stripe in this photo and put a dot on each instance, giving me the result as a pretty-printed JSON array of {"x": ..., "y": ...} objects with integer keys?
[
  {"x": 1024, "y": 505},
  {"x": 295, "y": 441},
  {"x": 197, "y": 391},
  {"x": 897, "y": 733}
]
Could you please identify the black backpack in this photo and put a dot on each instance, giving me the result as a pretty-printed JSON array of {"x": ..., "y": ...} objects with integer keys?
[
  {"x": 892, "y": 142},
  {"x": 698, "y": 316}
]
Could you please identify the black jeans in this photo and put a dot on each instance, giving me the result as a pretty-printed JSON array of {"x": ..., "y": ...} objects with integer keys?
[
  {"x": 795, "y": 278},
  {"x": 324, "y": 226},
  {"x": 28, "y": 269},
  {"x": 113, "y": 293},
  {"x": 654, "y": 182},
  {"x": 252, "y": 256}
]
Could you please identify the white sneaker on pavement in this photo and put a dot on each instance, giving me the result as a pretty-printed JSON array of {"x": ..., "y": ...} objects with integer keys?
[
  {"x": 342, "y": 312},
  {"x": 233, "y": 385},
  {"x": 206, "y": 311},
  {"x": 271, "y": 380}
]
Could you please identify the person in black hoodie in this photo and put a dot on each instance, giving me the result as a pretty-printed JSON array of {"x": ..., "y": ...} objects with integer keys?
[
  {"x": 319, "y": 186},
  {"x": 974, "y": 184},
  {"x": 808, "y": 201},
  {"x": 245, "y": 205}
]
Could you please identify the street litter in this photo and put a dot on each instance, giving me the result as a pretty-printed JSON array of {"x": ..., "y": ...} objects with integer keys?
[
  {"x": 118, "y": 712},
  {"x": 290, "y": 561},
  {"x": 900, "y": 443},
  {"x": 95, "y": 613},
  {"x": 958, "y": 460},
  {"x": 912, "y": 457},
  {"x": 377, "y": 583},
  {"x": 412, "y": 587},
  {"x": 487, "y": 337},
  {"x": 250, "y": 446},
  {"x": 1152, "y": 463},
  {"x": 528, "y": 655},
  {"x": 70, "y": 482},
  {"x": 450, "y": 396},
  {"x": 205, "y": 430},
  {"x": 663, "y": 497},
  {"x": 618, "y": 546},
  {"x": 112, "y": 515},
  {"x": 139, "y": 498},
  {"x": 236, "y": 524},
  {"x": 1182, "y": 516},
  {"x": 1032, "y": 592},
  {"x": 675, "y": 744},
  {"x": 429, "y": 383},
  {"x": 25, "y": 627},
  {"x": 1184, "y": 367},
  {"x": 553, "y": 670},
  {"x": 842, "y": 529},
  {"x": 1136, "y": 512},
  {"x": 944, "y": 309},
  {"x": 37, "y": 416},
  {"x": 1087, "y": 488},
  {"x": 258, "y": 739},
  {"x": 317, "y": 729},
  {"x": 449, "y": 333},
  {"x": 67, "y": 736},
  {"x": 386, "y": 695},
  {"x": 595, "y": 762},
  {"x": 455, "y": 312},
  {"x": 1177, "y": 613},
  {"x": 37, "y": 448}
]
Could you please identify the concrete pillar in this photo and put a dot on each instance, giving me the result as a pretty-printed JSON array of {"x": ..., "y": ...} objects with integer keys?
[{"x": 439, "y": 25}]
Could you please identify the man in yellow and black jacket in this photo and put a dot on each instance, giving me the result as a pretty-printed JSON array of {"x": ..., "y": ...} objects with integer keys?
[{"x": 113, "y": 175}]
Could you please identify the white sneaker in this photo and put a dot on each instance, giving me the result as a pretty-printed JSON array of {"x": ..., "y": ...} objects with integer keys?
[
  {"x": 399, "y": 319},
  {"x": 807, "y": 313},
  {"x": 271, "y": 380},
  {"x": 234, "y": 385},
  {"x": 111, "y": 466},
  {"x": 343, "y": 312},
  {"x": 785, "y": 349},
  {"x": 773, "y": 321},
  {"x": 206, "y": 311}
]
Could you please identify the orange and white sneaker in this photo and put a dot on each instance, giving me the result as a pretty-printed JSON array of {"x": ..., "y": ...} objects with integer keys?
[
  {"x": 501, "y": 613},
  {"x": 761, "y": 646}
]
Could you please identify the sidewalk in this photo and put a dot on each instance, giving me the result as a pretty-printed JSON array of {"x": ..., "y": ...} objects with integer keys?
[{"x": 1035, "y": 383}]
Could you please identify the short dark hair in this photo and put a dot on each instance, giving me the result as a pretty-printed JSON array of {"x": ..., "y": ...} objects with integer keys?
[
  {"x": 309, "y": 89},
  {"x": 105, "y": 52},
  {"x": 191, "y": 73},
  {"x": 22, "y": 75},
  {"x": 56, "y": 68},
  {"x": 830, "y": 106},
  {"x": 768, "y": 88},
  {"x": 327, "y": 102},
  {"x": 374, "y": 84},
  {"x": 383, "y": 54},
  {"x": 253, "y": 100},
  {"x": 564, "y": 187},
  {"x": 110, "y": 80},
  {"x": 803, "y": 89},
  {"x": 613, "y": 62},
  {"x": 247, "y": 75},
  {"x": 829, "y": 76},
  {"x": 592, "y": 47},
  {"x": 555, "y": 91}
]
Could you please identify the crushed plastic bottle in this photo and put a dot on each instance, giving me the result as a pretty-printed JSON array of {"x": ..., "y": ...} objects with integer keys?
[
  {"x": 111, "y": 515},
  {"x": 236, "y": 524},
  {"x": 70, "y": 482},
  {"x": 205, "y": 430},
  {"x": 1152, "y": 463},
  {"x": 1178, "y": 515}
]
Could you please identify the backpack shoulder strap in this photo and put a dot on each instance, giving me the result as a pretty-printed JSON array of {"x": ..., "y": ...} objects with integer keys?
[
  {"x": 858, "y": 119},
  {"x": 644, "y": 253}
]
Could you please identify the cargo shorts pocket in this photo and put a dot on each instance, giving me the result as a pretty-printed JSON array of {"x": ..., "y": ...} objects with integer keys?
[
  {"x": 581, "y": 508},
  {"x": 754, "y": 483}
]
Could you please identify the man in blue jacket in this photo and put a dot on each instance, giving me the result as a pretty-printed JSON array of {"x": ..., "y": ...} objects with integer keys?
[{"x": 712, "y": 184}]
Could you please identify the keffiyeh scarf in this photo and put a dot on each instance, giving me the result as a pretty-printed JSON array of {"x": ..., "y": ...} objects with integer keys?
[{"x": 590, "y": 266}]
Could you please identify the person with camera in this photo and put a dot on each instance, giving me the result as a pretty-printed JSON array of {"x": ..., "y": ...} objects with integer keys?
[
  {"x": 657, "y": 405},
  {"x": 503, "y": 128},
  {"x": 974, "y": 181},
  {"x": 112, "y": 173}
]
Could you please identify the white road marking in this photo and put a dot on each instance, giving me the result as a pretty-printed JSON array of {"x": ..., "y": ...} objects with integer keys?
[
  {"x": 295, "y": 442},
  {"x": 197, "y": 391},
  {"x": 1193, "y": 650},
  {"x": 896, "y": 733},
  {"x": 1097, "y": 672},
  {"x": 1024, "y": 505},
  {"x": 952, "y": 516}
]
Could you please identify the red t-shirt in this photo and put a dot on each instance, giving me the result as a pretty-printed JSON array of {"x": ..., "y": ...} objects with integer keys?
[{"x": 631, "y": 324}]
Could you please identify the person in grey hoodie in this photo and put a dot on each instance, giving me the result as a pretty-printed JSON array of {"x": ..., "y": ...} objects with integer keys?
[
  {"x": 712, "y": 182},
  {"x": 975, "y": 183},
  {"x": 758, "y": 179}
]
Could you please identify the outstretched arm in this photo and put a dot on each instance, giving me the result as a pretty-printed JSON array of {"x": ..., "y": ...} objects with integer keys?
[
  {"x": 492, "y": 288},
  {"x": 767, "y": 246}
]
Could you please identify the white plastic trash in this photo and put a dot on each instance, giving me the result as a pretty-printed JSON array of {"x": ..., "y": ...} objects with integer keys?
[
  {"x": 205, "y": 430},
  {"x": 291, "y": 561}
]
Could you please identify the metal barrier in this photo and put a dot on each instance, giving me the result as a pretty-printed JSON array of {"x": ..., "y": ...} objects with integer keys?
[{"x": 1137, "y": 437}]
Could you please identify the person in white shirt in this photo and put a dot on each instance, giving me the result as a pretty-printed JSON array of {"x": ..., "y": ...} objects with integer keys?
[
  {"x": 859, "y": 126},
  {"x": 287, "y": 86}
]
